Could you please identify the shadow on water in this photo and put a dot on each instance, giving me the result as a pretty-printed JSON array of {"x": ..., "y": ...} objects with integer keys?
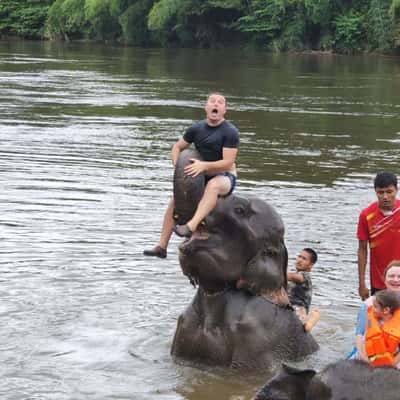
[{"x": 85, "y": 135}]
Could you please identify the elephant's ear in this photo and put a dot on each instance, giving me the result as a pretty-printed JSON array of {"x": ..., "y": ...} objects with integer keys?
[
  {"x": 266, "y": 271},
  {"x": 289, "y": 384},
  {"x": 307, "y": 373}
]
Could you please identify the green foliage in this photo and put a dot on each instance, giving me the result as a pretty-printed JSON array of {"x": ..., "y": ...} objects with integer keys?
[
  {"x": 349, "y": 32},
  {"x": 394, "y": 9},
  {"x": 167, "y": 17},
  {"x": 163, "y": 12},
  {"x": 91, "y": 19},
  {"x": 134, "y": 25},
  {"x": 342, "y": 25},
  {"x": 279, "y": 24},
  {"x": 318, "y": 11},
  {"x": 196, "y": 23},
  {"x": 24, "y": 18},
  {"x": 394, "y": 13},
  {"x": 215, "y": 22},
  {"x": 226, "y": 4},
  {"x": 380, "y": 25},
  {"x": 264, "y": 17},
  {"x": 102, "y": 15},
  {"x": 66, "y": 19},
  {"x": 294, "y": 33}
]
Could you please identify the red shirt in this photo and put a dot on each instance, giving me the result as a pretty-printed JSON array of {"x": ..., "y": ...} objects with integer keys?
[{"x": 383, "y": 234}]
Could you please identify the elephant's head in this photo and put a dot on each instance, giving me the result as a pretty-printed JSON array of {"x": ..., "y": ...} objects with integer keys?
[
  {"x": 289, "y": 384},
  {"x": 241, "y": 240}
]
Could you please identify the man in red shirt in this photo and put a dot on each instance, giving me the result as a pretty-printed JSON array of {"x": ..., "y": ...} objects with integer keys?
[{"x": 379, "y": 226}]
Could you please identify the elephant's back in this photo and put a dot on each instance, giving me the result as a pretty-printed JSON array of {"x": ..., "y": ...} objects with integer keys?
[
  {"x": 187, "y": 190},
  {"x": 354, "y": 379}
]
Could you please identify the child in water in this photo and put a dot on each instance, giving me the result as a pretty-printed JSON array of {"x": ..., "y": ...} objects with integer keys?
[
  {"x": 380, "y": 346},
  {"x": 300, "y": 288}
]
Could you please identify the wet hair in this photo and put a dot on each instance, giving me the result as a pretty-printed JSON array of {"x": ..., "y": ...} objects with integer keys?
[
  {"x": 394, "y": 263},
  {"x": 312, "y": 253},
  {"x": 385, "y": 179},
  {"x": 388, "y": 298},
  {"x": 216, "y": 94}
]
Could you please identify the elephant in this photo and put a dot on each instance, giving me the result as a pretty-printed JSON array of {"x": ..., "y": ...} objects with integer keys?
[
  {"x": 342, "y": 380},
  {"x": 239, "y": 316}
]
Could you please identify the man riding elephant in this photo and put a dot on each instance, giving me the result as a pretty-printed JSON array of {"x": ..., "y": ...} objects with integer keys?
[
  {"x": 240, "y": 314},
  {"x": 217, "y": 142}
]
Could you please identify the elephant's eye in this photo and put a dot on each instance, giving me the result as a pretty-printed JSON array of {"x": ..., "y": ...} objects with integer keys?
[
  {"x": 268, "y": 252},
  {"x": 240, "y": 210}
]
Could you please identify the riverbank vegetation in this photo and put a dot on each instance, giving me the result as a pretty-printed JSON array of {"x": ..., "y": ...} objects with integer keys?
[{"x": 277, "y": 25}]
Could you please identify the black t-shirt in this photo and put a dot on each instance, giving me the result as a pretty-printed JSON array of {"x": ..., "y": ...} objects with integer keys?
[
  {"x": 300, "y": 294},
  {"x": 209, "y": 140}
]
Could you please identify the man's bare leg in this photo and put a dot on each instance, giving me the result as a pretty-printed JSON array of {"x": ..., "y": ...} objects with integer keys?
[
  {"x": 166, "y": 231},
  {"x": 217, "y": 186}
]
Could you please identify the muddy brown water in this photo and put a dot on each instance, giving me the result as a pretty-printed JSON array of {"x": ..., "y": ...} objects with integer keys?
[{"x": 85, "y": 133}]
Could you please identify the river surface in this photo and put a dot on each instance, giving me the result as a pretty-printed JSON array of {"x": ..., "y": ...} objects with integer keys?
[{"x": 85, "y": 134}]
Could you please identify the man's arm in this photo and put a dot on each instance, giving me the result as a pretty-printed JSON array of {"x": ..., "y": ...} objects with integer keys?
[
  {"x": 295, "y": 277},
  {"x": 180, "y": 145},
  {"x": 362, "y": 264},
  {"x": 213, "y": 167}
]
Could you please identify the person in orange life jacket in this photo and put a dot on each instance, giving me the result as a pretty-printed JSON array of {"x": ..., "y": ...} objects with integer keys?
[
  {"x": 382, "y": 335},
  {"x": 378, "y": 227},
  {"x": 391, "y": 277},
  {"x": 300, "y": 288},
  {"x": 217, "y": 141}
]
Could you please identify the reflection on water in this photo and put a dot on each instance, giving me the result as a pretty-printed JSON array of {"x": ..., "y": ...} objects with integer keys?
[{"x": 85, "y": 135}]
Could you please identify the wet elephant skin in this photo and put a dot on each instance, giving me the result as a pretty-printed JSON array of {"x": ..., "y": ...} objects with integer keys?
[
  {"x": 343, "y": 380},
  {"x": 240, "y": 330}
]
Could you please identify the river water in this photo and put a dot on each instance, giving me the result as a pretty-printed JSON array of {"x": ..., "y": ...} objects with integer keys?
[{"x": 85, "y": 133}]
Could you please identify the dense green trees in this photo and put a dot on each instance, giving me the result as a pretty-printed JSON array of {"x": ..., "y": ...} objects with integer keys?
[
  {"x": 25, "y": 18},
  {"x": 279, "y": 25},
  {"x": 99, "y": 20},
  {"x": 194, "y": 22}
]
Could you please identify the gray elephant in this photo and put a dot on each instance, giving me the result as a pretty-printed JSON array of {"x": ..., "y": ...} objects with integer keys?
[
  {"x": 343, "y": 380},
  {"x": 240, "y": 315}
]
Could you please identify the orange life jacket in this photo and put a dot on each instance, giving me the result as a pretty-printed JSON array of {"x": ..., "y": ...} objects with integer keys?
[{"x": 382, "y": 342}]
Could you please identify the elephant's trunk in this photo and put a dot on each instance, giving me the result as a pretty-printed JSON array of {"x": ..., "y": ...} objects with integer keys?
[{"x": 188, "y": 191}]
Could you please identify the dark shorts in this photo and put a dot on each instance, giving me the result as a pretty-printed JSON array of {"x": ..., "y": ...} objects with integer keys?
[
  {"x": 231, "y": 177},
  {"x": 374, "y": 290}
]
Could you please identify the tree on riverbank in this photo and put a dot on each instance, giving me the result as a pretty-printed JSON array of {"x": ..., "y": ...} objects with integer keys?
[
  {"x": 106, "y": 20},
  {"x": 339, "y": 25},
  {"x": 278, "y": 25},
  {"x": 23, "y": 18}
]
